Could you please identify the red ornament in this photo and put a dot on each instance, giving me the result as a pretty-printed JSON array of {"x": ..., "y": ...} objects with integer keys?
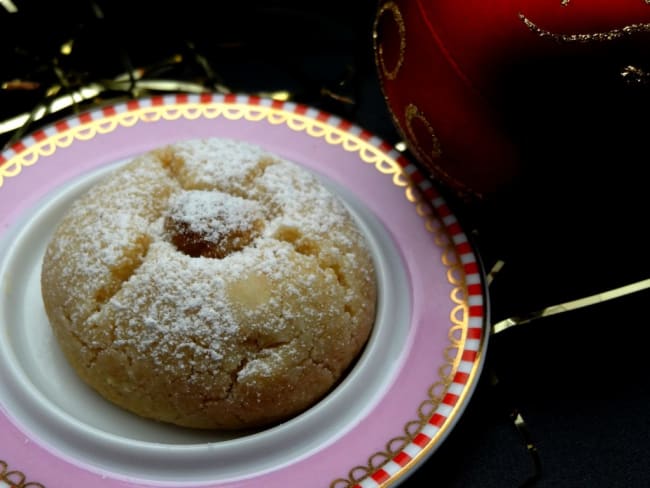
[{"x": 458, "y": 76}]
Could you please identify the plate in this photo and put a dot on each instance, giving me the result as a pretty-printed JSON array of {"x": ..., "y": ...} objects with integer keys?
[{"x": 393, "y": 409}]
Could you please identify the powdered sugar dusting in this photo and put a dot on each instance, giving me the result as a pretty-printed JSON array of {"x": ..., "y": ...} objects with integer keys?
[
  {"x": 291, "y": 291},
  {"x": 305, "y": 203},
  {"x": 219, "y": 163},
  {"x": 183, "y": 304},
  {"x": 108, "y": 228},
  {"x": 213, "y": 214}
]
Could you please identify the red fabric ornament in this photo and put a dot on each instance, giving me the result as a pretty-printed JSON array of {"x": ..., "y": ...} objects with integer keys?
[{"x": 458, "y": 76}]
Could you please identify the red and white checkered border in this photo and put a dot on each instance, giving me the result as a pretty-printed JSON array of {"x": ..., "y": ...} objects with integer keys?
[
  {"x": 475, "y": 332},
  {"x": 475, "y": 298},
  {"x": 183, "y": 99}
]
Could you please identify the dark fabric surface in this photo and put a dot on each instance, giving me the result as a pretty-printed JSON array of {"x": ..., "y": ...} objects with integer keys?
[{"x": 578, "y": 379}]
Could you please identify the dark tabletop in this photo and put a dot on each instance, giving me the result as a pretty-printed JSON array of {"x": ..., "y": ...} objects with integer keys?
[{"x": 577, "y": 380}]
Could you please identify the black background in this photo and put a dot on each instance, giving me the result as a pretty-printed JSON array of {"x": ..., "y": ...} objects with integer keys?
[{"x": 572, "y": 226}]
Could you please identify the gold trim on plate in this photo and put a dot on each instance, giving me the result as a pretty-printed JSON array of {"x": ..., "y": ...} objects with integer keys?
[
  {"x": 211, "y": 110},
  {"x": 15, "y": 479}
]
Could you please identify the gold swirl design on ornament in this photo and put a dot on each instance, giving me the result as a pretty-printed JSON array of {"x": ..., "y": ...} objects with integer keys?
[
  {"x": 411, "y": 114},
  {"x": 394, "y": 10},
  {"x": 15, "y": 479},
  {"x": 605, "y": 36},
  {"x": 368, "y": 153}
]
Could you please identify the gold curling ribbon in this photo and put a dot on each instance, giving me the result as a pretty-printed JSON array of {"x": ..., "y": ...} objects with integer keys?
[{"x": 571, "y": 305}]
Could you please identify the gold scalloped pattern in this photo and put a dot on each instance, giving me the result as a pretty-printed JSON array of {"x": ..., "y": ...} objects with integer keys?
[
  {"x": 191, "y": 111},
  {"x": 452, "y": 355},
  {"x": 15, "y": 479}
]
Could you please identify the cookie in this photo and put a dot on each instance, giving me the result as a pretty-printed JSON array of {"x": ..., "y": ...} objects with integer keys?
[{"x": 210, "y": 284}]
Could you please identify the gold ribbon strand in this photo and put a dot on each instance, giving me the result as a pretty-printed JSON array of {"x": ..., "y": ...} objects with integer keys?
[
  {"x": 503, "y": 325},
  {"x": 569, "y": 306}
]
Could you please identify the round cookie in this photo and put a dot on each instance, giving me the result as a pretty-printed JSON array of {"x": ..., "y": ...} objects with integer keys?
[{"x": 210, "y": 284}]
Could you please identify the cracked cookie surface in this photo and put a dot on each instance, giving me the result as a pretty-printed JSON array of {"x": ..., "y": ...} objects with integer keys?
[{"x": 210, "y": 284}]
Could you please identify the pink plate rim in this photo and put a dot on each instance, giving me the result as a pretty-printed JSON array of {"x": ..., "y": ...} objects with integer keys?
[{"x": 467, "y": 308}]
